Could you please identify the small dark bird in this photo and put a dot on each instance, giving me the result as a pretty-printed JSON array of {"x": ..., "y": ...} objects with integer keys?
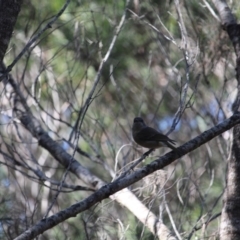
[{"x": 149, "y": 137}]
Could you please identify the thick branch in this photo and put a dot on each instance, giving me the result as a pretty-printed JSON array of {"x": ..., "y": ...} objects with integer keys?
[
  {"x": 115, "y": 186},
  {"x": 8, "y": 15},
  {"x": 224, "y": 12},
  {"x": 233, "y": 29},
  {"x": 229, "y": 228}
]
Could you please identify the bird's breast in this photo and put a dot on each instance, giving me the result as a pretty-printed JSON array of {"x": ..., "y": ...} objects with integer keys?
[{"x": 149, "y": 144}]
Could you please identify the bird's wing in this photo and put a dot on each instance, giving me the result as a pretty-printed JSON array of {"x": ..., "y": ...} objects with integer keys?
[{"x": 151, "y": 134}]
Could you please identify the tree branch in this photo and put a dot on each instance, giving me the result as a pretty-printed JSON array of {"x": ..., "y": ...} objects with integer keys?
[{"x": 115, "y": 186}]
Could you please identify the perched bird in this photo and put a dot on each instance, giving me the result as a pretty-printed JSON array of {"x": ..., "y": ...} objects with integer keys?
[{"x": 149, "y": 137}]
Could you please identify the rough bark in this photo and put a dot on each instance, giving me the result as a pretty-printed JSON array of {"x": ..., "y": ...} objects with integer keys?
[
  {"x": 230, "y": 227},
  {"x": 8, "y": 16},
  {"x": 109, "y": 189}
]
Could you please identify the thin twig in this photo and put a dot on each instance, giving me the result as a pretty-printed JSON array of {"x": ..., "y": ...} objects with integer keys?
[
  {"x": 34, "y": 38},
  {"x": 85, "y": 106}
]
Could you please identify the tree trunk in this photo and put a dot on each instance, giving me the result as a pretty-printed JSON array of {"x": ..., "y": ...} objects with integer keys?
[{"x": 230, "y": 221}]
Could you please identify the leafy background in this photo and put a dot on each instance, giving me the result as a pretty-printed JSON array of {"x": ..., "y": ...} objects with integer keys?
[{"x": 145, "y": 76}]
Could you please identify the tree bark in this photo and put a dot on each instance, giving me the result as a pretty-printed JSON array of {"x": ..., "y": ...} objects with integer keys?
[
  {"x": 119, "y": 184},
  {"x": 230, "y": 227},
  {"x": 8, "y": 16}
]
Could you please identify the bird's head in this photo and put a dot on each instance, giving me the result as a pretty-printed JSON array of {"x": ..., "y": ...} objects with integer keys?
[{"x": 138, "y": 124}]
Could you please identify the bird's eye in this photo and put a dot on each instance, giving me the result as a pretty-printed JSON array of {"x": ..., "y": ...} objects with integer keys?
[{"x": 136, "y": 120}]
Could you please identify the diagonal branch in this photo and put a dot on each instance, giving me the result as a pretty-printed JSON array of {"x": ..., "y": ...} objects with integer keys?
[{"x": 122, "y": 183}]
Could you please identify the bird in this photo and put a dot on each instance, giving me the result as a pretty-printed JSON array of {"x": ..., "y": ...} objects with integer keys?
[{"x": 149, "y": 137}]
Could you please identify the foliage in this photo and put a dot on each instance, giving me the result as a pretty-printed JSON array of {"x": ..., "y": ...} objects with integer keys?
[{"x": 145, "y": 75}]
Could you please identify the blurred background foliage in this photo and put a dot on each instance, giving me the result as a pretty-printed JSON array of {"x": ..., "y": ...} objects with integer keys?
[{"x": 144, "y": 76}]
